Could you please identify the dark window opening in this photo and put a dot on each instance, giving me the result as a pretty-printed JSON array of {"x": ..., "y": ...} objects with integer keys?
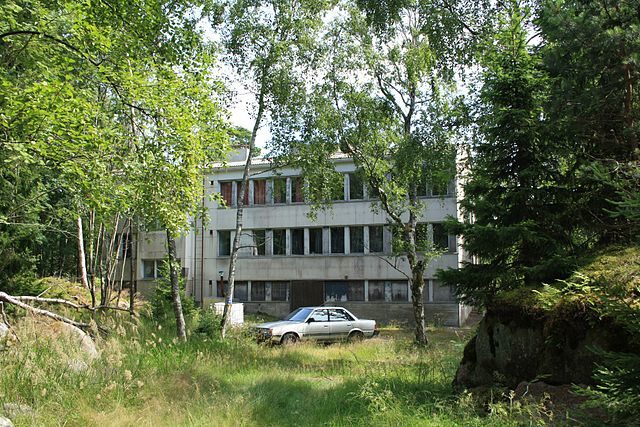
[
  {"x": 337, "y": 240},
  {"x": 259, "y": 192},
  {"x": 259, "y": 240},
  {"x": 279, "y": 291},
  {"x": 258, "y": 291},
  {"x": 297, "y": 189},
  {"x": 297, "y": 241},
  {"x": 356, "y": 240},
  {"x": 376, "y": 290},
  {"x": 399, "y": 291},
  {"x": 240, "y": 291},
  {"x": 279, "y": 190},
  {"x": 375, "y": 238},
  {"x": 315, "y": 241},
  {"x": 356, "y": 187},
  {"x": 279, "y": 241},
  {"x": 440, "y": 237},
  {"x": 224, "y": 243},
  {"x": 226, "y": 192}
]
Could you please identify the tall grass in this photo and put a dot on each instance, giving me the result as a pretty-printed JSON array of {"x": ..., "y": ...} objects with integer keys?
[{"x": 146, "y": 378}]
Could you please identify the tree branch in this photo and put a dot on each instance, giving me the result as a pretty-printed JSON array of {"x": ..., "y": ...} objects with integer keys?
[
  {"x": 69, "y": 303},
  {"x": 4, "y": 297},
  {"x": 55, "y": 39}
]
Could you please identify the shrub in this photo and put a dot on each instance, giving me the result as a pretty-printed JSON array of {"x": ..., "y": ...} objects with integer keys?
[
  {"x": 162, "y": 302},
  {"x": 208, "y": 323}
]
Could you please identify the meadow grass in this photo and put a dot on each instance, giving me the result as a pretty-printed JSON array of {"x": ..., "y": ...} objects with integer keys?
[{"x": 144, "y": 377}]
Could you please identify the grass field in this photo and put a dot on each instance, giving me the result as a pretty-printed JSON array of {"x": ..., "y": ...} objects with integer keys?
[{"x": 145, "y": 378}]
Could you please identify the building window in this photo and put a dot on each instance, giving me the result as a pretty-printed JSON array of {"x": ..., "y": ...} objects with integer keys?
[
  {"x": 356, "y": 240},
  {"x": 279, "y": 291},
  {"x": 337, "y": 192},
  {"x": 355, "y": 291},
  {"x": 376, "y": 239},
  {"x": 442, "y": 188},
  {"x": 297, "y": 189},
  {"x": 297, "y": 241},
  {"x": 335, "y": 291},
  {"x": 245, "y": 199},
  {"x": 442, "y": 293},
  {"x": 259, "y": 241},
  {"x": 421, "y": 186},
  {"x": 240, "y": 291},
  {"x": 356, "y": 187},
  {"x": 337, "y": 240},
  {"x": 279, "y": 190},
  {"x": 440, "y": 237},
  {"x": 399, "y": 291},
  {"x": 376, "y": 290},
  {"x": 422, "y": 236},
  {"x": 151, "y": 268},
  {"x": 315, "y": 241},
  {"x": 259, "y": 191},
  {"x": 226, "y": 192},
  {"x": 224, "y": 243},
  {"x": 279, "y": 241},
  {"x": 258, "y": 291}
]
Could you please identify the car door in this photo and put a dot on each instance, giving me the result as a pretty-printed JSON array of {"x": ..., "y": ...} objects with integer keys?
[
  {"x": 317, "y": 326},
  {"x": 340, "y": 323}
]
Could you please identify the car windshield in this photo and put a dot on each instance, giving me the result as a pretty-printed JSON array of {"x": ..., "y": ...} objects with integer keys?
[{"x": 299, "y": 315}]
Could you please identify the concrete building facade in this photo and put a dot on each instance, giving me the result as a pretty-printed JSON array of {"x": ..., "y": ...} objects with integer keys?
[{"x": 343, "y": 256}]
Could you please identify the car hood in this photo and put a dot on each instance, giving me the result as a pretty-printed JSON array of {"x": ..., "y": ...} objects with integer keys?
[{"x": 271, "y": 325}]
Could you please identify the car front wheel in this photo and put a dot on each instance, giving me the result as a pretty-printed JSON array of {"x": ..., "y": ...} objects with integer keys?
[{"x": 289, "y": 339}]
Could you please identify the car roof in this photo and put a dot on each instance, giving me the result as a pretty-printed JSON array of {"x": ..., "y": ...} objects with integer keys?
[{"x": 322, "y": 306}]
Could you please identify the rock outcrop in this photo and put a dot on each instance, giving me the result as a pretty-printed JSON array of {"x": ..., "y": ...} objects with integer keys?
[{"x": 510, "y": 348}]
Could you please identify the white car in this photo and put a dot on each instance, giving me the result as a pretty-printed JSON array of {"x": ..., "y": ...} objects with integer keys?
[{"x": 317, "y": 323}]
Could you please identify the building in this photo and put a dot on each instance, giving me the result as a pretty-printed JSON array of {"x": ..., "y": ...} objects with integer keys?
[{"x": 288, "y": 260}]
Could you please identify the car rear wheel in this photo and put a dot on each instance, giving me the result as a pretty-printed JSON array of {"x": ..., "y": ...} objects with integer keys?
[
  {"x": 356, "y": 336},
  {"x": 289, "y": 339}
]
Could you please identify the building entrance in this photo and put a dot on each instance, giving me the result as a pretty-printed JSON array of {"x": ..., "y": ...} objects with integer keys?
[{"x": 306, "y": 293}]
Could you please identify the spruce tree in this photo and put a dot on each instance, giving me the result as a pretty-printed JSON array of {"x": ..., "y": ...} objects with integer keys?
[{"x": 515, "y": 231}]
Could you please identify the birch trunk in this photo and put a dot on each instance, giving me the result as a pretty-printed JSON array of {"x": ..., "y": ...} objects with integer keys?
[
  {"x": 175, "y": 287},
  {"x": 239, "y": 220},
  {"x": 82, "y": 260}
]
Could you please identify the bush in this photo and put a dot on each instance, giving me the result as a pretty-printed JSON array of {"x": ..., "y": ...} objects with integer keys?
[
  {"x": 162, "y": 302},
  {"x": 208, "y": 323}
]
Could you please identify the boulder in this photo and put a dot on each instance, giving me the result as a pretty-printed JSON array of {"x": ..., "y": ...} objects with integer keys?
[
  {"x": 4, "y": 331},
  {"x": 85, "y": 343},
  {"x": 510, "y": 349},
  {"x": 5, "y": 422},
  {"x": 13, "y": 410}
]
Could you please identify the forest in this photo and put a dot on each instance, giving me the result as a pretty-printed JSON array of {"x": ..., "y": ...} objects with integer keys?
[{"x": 112, "y": 112}]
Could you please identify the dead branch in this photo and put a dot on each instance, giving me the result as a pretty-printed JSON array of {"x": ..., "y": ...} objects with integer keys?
[
  {"x": 69, "y": 303},
  {"x": 4, "y": 297}
]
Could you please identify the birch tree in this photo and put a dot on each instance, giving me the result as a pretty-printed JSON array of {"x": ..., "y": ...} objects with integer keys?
[
  {"x": 114, "y": 100},
  {"x": 388, "y": 99},
  {"x": 268, "y": 44}
]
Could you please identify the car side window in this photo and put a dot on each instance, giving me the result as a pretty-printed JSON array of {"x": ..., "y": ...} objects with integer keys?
[
  {"x": 339, "y": 316},
  {"x": 320, "y": 316}
]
